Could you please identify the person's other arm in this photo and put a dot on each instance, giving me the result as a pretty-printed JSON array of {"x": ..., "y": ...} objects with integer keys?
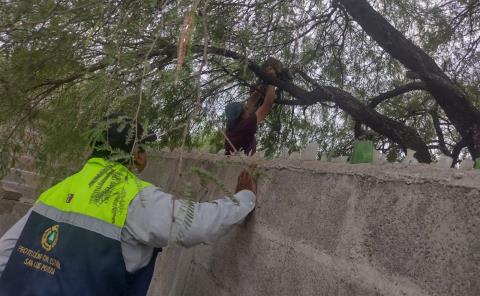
[
  {"x": 9, "y": 240},
  {"x": 150, "y": 216},
  {"x": 253, "y": 99},
  {"x": 270, "y": 95}
]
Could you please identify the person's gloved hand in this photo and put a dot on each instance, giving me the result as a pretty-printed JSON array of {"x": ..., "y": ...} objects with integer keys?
[{"x": 246, "y": 182}]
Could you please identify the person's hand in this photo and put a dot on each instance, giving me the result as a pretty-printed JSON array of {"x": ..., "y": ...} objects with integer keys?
[
  {"x": 246, "y": 182},
  {"x": 259, "y": 88}
]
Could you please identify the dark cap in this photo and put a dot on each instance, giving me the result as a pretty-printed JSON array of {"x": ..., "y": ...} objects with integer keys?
[
  {"x": 118, "y": 132},
  {"x": 233, "y": 112}
]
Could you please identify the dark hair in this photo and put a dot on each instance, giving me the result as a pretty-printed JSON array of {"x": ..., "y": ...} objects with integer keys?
[
  {"x": 282, "y": 73},
  {"x": 274, "y": 63},
  {"x": 116, "y": 137}
]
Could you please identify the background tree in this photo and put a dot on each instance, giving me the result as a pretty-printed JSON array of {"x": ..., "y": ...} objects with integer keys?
[{"x": 65, "y": 64}]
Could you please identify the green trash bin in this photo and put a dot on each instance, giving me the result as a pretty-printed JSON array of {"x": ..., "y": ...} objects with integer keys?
[
  {"x": 362, "y": 152},
  {"x": 477, "y": 164}
]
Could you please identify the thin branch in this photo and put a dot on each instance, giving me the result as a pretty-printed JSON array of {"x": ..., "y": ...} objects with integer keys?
[
  {"x": 441, "y": 139},
  {"x": 456, "y": 151},
  {"x": 373, "y": 102}
]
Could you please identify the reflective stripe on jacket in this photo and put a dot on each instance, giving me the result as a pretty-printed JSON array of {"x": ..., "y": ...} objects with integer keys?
[{"x": 70, "y": 244}]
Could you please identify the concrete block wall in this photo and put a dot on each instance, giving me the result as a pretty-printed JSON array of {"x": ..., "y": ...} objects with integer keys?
[
  {"x": 331, "y": 229},
  {"x": 18, "y": 191},
  {"x": 324, "y": 229},
  {"x": 10, "y": 212}
]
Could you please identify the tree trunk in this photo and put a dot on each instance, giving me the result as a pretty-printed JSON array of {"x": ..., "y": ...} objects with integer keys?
[
  {"x": 396, "y": 131},
  {"x": 459, "y": 109}
]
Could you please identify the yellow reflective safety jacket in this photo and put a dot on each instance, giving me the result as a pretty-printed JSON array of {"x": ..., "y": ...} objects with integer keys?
[{"x": 70, "y": 244}]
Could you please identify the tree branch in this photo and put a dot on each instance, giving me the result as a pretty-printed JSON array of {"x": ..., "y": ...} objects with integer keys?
[
  {"x": 441, "y": 139},
  {"x": 448, "y": 95},
  {"x": 395, "y": 92},
  {"x": 456, "y": 151},
  {"x": 398, "y": 132},
  {"x": 385, "y": 96}
]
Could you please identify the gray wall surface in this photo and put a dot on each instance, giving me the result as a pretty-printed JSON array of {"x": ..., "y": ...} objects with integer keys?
[
  {"x": 10, "y": 212},
  {"x": 331, "y": 229},
  {"x": 324, "y": 229}
]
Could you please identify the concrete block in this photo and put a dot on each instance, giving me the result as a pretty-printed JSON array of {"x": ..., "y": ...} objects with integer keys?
[
  {"x": 234, "y": 256},
  {"x": 305, "y": 207},
  {"x": 426, "y": 233},
  {"x": 171, "y": 270},
  {"x": 199, "y": 282},
  {"x": 335, "y": 229},
  {"x": 10, "y": 213},
  {"x": 323, "y": 228},
  {"x": 9, "y": 194},
  {"x": 306, "y": 275},
  {"x": 27, "y": 192}
]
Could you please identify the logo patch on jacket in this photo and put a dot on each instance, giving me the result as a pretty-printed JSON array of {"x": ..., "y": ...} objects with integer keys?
[
  {"x": 50, "y": 238},
  {"x": 69, "y": 198}
]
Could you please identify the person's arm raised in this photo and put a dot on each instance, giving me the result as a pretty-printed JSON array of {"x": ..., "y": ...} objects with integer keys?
[
  {"x": 270, "y": 95},
  {"x": 267, "y": 105},
  {"x": 253, "y": 99}
]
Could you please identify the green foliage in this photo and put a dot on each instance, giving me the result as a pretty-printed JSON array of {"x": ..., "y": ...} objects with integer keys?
[
  {"x": 393, "y": 155},
  {"x": 187, "y": 208},
  {"x": 187, "y": 212},
  {"x": 109, "y": 184},
  {"x": 210, "y": 140},
  {"x": 206, "y": 176},
  {"x": 65, "y": 65}
]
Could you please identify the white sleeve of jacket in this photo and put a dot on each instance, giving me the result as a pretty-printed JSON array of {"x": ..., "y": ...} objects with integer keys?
[
  {"x": 9, "y": 240},
  {"x": 150, "y": 217}
]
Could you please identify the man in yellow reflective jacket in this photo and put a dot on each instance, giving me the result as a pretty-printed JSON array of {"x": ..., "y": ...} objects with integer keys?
[{"x": 98, "y": 231}]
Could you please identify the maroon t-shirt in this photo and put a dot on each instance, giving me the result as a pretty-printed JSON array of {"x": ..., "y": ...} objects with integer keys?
[{"x": 242, "y": 136}]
